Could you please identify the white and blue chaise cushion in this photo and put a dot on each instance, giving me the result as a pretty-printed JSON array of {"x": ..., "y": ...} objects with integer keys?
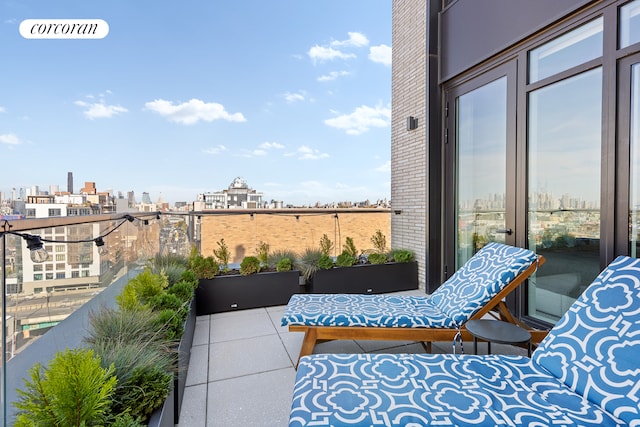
[
  {"x": 585, "y": 373},
  {"x": 479, "y": 280}
]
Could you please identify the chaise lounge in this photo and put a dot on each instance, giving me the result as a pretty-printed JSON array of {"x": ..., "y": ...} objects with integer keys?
[
  {"x": 476, "y": 289},
  {"x": 586, "y": 372}
]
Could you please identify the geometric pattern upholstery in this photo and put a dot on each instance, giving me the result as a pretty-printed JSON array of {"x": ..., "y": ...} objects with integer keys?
[
  {"x": 595, "y": 347},
  {"x": 451, "y": 305},
  {"x": 585, "y": 373}
]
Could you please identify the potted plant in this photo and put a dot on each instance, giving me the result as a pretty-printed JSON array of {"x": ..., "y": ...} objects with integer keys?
[
  {"x": 370, "y": 272},
  {"x": 257, "y": 283}
]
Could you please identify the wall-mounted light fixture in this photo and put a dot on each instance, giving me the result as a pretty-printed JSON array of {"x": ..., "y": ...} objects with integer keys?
[
  {"x": 397, "y": 211},
  {"x": 412, "y": 123}
]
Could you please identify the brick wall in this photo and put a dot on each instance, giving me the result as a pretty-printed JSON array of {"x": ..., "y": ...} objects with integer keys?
[
  {"x": 409, "y": 148},
  {"x": 243, "y": 233}
]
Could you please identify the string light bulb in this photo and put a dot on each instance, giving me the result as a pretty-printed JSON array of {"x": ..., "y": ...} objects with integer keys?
[
  {"x": 38, "y": 253},
  {"x": 102, "y": 249}
]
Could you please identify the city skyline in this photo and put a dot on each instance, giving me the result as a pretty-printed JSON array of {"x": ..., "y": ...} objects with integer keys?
[{"x": 177, "y": 101}]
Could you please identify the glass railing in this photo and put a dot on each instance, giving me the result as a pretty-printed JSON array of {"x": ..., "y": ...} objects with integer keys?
[{"x": 89, "y": 259}]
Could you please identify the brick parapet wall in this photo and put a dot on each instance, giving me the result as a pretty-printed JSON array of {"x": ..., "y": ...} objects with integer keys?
[{"x": 243, "y": 233}]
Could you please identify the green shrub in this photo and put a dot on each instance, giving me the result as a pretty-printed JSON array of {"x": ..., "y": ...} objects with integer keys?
[
  {"x": 74, "y": 390},
  {"x": 171, "y": 323},
  {"x": 325, "y": 262},
  {"x": 115, "y": 327},
  {"x": 145, "y": 286},
  {"x": 284, "y": 265},
  {"x": 402, "y": 255},
  {"x": 223, "y": 255},
  {"x": 249, "y": 265},
  {"x": 274, "y": 258},
  {"x": 376, "y": 258},
  {"x": 165, "y": 301},
  {"x": 309, "y": 262},
  {"x": 183, "y": 290},
  {"x": 345, "y": 259},
  {"x": 326, "y": 245},
  {"x": 171, "y": 265},
  {"x": 379, "y": 242},
  {"x": 126, "y": 420},
  {"x": 350, "y": 248},
  {"x": 204, "y": 268},
  {"x": 263, "y": 252}
]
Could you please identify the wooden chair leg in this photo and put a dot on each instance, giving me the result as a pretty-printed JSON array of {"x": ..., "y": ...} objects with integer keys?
[{"x": 308, "y": 343}]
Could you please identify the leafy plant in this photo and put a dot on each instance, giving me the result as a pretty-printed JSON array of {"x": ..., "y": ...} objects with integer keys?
[
  {"x": 379, "y": 242},
  {"x": 74, "y": 390},
  {"x": 119, "y": 327},
  {"x": 204, "y": 268},
  {"x": 325, "y": 262},
  {"x": 171, "y": 265},
  {"x": 402, "y": 255},
  {"x": 350, "y": 248},
  {"x": 183, "y": 290},
  {"x": 275, "y": 257},
  {"x": 326, "y": 245},
  {"x": 309, "y": 262},
  {"x": 345, "y": 259},
  {"x": 377, "y": 258},
  {"x": 263, "y": 252},
  {"x": 145, "y": 286},
  {"x": 223, "y": 255},
  {"x": 249, "y": 265},
  {"x": 284, "y": 265},
  {"x": 126, "y": 420}
]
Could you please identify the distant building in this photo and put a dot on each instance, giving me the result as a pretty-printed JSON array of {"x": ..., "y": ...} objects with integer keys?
[{"x": 237, "y": 196}]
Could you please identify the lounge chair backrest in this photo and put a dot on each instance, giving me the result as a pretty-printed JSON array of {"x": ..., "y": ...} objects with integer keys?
[
  {"x": 480, "y": 279},
  {"x": 595, "y": 347}
]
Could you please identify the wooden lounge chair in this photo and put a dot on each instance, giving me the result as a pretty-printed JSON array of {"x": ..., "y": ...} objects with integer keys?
[
  {"x": 475, "y": 290},
  {"x": 586, "y": 372}
]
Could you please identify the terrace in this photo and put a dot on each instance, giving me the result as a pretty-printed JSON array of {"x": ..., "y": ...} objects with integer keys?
[{"x": 241, "y": 369}]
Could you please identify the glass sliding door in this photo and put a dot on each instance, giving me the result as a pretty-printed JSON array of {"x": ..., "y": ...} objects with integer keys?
[
  {"x": 634, "y": 175},
  {"x": 481, "y": 142},
  {"x": 564, "y": 163}
]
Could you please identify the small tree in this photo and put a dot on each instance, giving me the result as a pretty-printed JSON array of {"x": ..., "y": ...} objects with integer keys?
[
  {"x": 263, "y": 252},
  {"x": 222, "y": 254},
  {"x": 350, "y": 248},
  {"x": 326, "y": 245},
  {"x": 379, "y": 242}
]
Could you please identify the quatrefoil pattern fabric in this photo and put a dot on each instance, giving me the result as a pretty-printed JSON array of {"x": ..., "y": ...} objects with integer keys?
[
  {"x": 434, "y": 390},
  {"x": 585, "y": 373},
  {"x": 459, "y": 298},
  {"x": 595, "y": 348}
]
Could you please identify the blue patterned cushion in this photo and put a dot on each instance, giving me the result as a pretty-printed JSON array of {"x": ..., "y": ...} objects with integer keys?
[
  {"x": 363, "y": 310},
  {"x": 595, "y": 347},
  {"x": 480, "y": 279},
  {"x": 459, "y": 298},
  {"x": 426, "y": 389}
]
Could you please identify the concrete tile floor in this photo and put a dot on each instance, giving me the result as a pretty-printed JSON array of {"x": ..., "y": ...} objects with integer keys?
[{"x": 241, "y": 371}]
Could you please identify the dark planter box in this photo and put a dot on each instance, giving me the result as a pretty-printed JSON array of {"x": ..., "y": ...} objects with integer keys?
[
  {"x": 366, "y": 279},
  {"x": 237, "y": 292},
  {"x": 168, "y": 415}
]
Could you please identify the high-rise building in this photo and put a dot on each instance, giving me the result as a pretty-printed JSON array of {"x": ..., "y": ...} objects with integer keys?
[{"x": 70, "y": 182}]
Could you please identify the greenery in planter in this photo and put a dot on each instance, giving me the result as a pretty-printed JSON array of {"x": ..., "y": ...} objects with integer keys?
[
  {"x": 284, "y": 264},
  {"x": 274, "y": 258},
  {"x": 203, "y": 268},
  {"x": 223, "y": 255},
  {"x": 402, "y": 255},
  {"x": 171, "y": 265},
  {"x": 263, "y": 253},
  {"x": 350, "y": 248},
  {"x": 325, "y": 262},
  {"x": 377, "y": 258},
  {"x": 74, "y": 390},
  {"x": 249, "y": 265},
  {"x": 326, "y": 245},
  {"x": 379, "y": 242},
  {"x": 309, "y": 262},
  {"x": 345, "y": 259}
]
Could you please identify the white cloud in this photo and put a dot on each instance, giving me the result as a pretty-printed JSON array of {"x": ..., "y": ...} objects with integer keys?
[
  {"x": 2, "y": 109},
  {"x": 354, "y": 40},
  {"x": 380, "y": 54},
  {"x": 308, "y": 153},
  {"x": 333, "y": 75},
  {"x": 361, "y": 120},
  {"x": 10, "y": 139},
  {"x": 323, "y": 53},
  {"x": 193, "y": 111},
  {"x": 216, "y": 150},
  {"x": 294, "y": 97},
  {"x": 270, "y": 145},
  {"x": 100, "y": 110}
]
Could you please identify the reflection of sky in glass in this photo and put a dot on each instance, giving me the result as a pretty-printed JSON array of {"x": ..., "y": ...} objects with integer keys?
[
  {"x": 565, "y": 139},
  {"x": 635, "y": 156},
  {"x": 482, "y": 141},
  {"x": 630, "y": 24},
  {"x": 574, "y": 48}
]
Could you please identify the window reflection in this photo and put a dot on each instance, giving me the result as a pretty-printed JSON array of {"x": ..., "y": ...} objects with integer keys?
[
  {"x": 564, "y": 190},
  {"x": 481, "y": 167},
  {"x": 574, "y": 48},
  {"x": 630, "y": 24}
]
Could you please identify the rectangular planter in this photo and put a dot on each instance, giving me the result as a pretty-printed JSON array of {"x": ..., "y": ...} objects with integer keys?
[
  {"x": 169, "y": 413},
  {"x": 237, "y": 292},
  {"x": 366, "y": 279}
]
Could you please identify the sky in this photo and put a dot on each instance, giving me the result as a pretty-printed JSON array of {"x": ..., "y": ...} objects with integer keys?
[{"x": 180, "y": 98}]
